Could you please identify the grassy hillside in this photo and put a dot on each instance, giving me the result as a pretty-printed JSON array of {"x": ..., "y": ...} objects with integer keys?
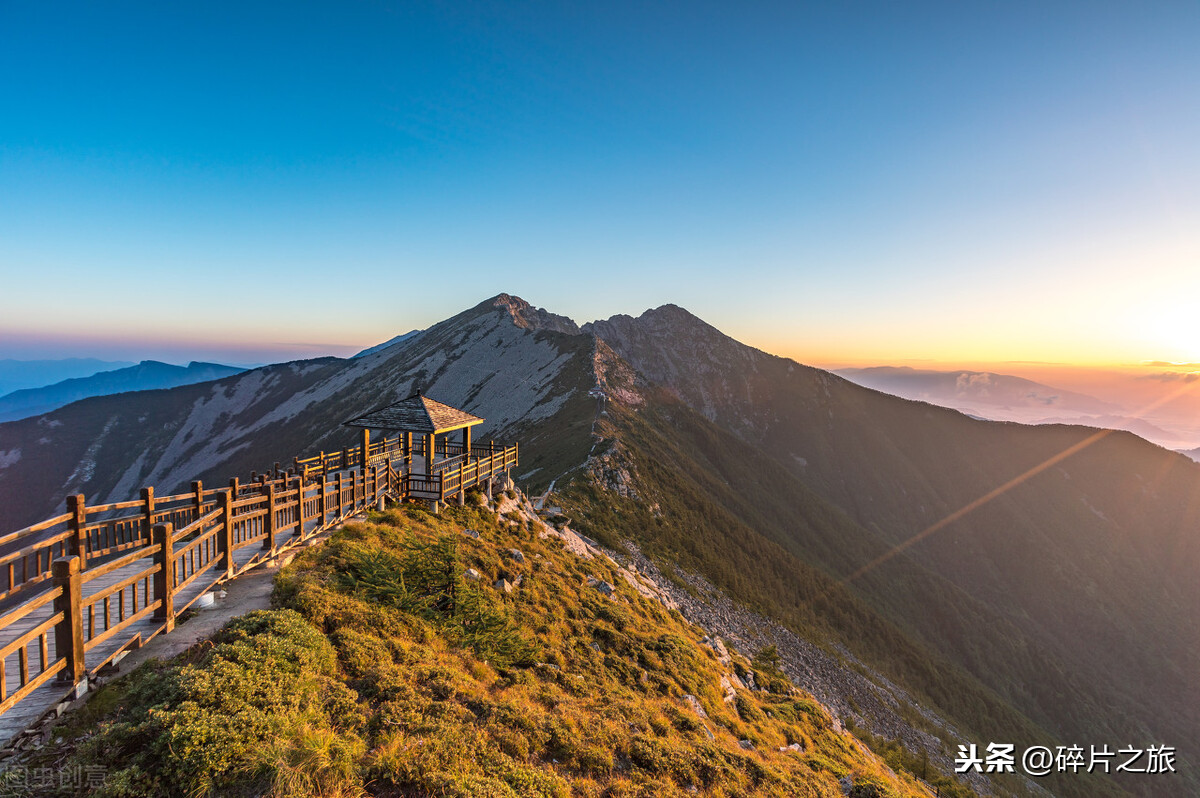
[{"x": 387, "y": 670}]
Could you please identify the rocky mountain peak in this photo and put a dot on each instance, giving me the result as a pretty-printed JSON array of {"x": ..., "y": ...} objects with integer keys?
[{"x": 526, "y": 315}]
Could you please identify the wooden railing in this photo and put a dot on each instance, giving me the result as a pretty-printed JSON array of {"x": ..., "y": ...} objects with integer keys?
[{"x": 74, "y": 587}]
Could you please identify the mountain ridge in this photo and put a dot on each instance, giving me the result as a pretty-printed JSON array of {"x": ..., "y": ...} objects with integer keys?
[{"x": 821, "y": 477}]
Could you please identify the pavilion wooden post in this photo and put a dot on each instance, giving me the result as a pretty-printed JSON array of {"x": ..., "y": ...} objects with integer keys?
[
  {"x": 467, "y": 441},
  {"x": 366, "y": 447},
  {"x": 68, "y": 633},
  {"x": 408, "y": 451},
  {"x": 429, "y": 440},
  {"x": 164, "y": 577},
  {"x": 77, "y": 543}
]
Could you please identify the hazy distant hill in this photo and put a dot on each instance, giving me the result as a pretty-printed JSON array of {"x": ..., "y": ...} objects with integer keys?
[
  {"x": 18, "y": 374},
  {"x": 147, "y": 375},
  {"x": 1004, "y": 397},
  {"x": 1194, "y": 454},
  {"x": 1063, "y": 608},
  {"x": 968, "y": 390},
  {"x": 390, "y": 342}
]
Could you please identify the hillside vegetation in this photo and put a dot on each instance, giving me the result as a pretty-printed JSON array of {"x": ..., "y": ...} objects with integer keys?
[{"x": 394, "y": 666}]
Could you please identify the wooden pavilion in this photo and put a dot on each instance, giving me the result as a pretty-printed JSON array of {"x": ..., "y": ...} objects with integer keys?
[
  {"x": 430, "y": 468},
  {"x": 428, "y": 418}
]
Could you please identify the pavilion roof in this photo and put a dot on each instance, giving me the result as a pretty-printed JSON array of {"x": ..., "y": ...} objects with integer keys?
[{"x": 417, "y": 413}]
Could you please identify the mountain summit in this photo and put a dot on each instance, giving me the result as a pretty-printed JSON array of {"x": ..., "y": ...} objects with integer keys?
[{"x": 527, "y": 316}]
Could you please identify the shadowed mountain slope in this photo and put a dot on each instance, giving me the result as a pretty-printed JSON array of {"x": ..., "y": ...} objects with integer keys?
[{"x": 1085, "y": 562}]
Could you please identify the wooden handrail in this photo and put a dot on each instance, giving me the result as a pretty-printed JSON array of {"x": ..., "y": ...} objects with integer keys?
[{"x": 189, "y": 537}]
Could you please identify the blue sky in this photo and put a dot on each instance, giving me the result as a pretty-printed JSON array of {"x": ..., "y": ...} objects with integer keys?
[{"x": 850, "y": 182}]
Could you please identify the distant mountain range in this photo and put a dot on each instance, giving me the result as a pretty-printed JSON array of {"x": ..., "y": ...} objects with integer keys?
[
  {"x": 18, "y": 374},
  {"x": 1004, "y": 397},
  {"x": 1193, "y": 453},
  {"x": 147, "y": 375},
  {"x": 1031, "y": 584}
]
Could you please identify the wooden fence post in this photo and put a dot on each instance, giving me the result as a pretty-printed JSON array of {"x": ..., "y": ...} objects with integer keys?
[
  {"x": 148, "y": 511},
  {"x": 68, "y": 633},
  {"x": 225, "y": 539},
  {"x": 337, "y": 489},
  {"x": 198, "y": 489},
  {"x": 299, "y": 507},
  {"x": 77, "y": 545},
  {"x": 321, "y": 501},
  {"x": 164, "y": 577},
  {"x": 269, "y": 540}
]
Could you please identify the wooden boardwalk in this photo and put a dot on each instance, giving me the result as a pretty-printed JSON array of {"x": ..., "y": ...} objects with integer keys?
[
  {"x": 85, "y": 587},
  {"x": 39, "y": 701}
]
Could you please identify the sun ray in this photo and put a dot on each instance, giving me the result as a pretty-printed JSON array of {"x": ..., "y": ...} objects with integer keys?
[{"x": 1007, "y": 486}]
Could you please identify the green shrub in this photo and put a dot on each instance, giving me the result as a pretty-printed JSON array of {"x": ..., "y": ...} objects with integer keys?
[{"x": 244, "y": 710}]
